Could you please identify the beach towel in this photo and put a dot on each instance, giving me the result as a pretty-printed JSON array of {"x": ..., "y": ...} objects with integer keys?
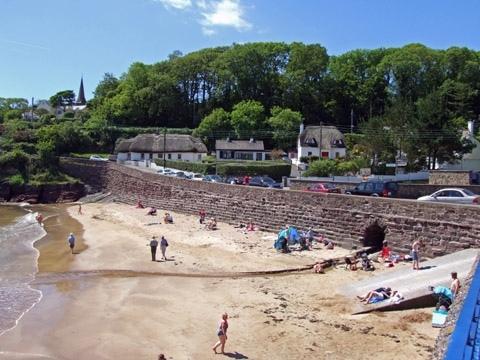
[{"x": 438, "y": 318}]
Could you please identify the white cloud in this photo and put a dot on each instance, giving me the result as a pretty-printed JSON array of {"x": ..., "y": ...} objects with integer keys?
[
  {"x": 176, "y": 4},
  {"x": 225, "y": 13}
]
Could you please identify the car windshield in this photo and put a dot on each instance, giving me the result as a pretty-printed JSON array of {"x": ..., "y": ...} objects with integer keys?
[
  {"x": 468, "y": 192},
  {"x": 328, "y": 186},
  {"x": 216, "y": 178},
  {"x": 266, "y": 179}
]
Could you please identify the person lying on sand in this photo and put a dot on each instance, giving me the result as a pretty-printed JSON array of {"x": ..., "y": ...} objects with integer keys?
[
  {"x": 318, "y": 268},
  {"x": 152, "y": 211},
  {"x": 328, "y": 244},
  {"x": 377, "y": 295}
]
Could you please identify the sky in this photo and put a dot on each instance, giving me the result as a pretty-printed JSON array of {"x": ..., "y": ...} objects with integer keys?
[{"x": 47, "y": 45}]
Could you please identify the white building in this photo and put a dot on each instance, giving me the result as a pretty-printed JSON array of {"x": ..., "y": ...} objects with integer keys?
[
  {"x": 331, "y": 139},
  {"x": 470, "y": 161},
  {"x": 151, "y": 146},
  {"x": 241, "y": 150}
]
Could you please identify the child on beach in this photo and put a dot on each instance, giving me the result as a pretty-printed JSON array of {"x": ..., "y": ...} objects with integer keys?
[
  {"x": 202, "y": 214},
  {"x": 71, "y": 241}
]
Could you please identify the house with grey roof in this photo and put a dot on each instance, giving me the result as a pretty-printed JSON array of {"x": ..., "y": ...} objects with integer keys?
[
  {"x": 325, "y": 142},
  {"x": 241, "y": 150},
  {"x": 152, "y": 146}
]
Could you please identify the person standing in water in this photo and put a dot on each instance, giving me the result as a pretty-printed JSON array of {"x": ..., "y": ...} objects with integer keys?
[
  {"x": 222, "y": 334},
  {"x": 71, "y": 241}
]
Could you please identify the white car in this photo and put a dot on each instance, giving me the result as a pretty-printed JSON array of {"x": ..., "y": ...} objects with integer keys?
[
  {"x": 165, "y": 172},
  {"x": 453, "y": 196},
  {"x": 197, "y": 177},
  {"x": 97, "y": 158}
]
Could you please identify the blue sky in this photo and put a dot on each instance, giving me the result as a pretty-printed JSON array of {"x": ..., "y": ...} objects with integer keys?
[{"x": 46, "y": 45}]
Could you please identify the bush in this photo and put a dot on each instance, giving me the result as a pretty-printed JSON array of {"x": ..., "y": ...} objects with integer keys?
[
  {"x": 321, "y": 168},
  {"x": 47, "y": 177},
  {"x": 308, "y": 159},
  {"x": 196, "y": 167},
  {"x": 16, "y": 180},
  {"x": 252, "y": 168}
]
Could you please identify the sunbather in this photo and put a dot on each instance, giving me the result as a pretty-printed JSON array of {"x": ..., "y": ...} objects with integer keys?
[
  {"x": 152, "y": 211},
  {"x": 351, "y": 263},
  {"x": 377, "y": 295},
  {"x": 212, "y": 224},
  {"x": 168, "y": 219},
  {"x": 366, "y": 263},
  {"x": 318, "y": 268}
]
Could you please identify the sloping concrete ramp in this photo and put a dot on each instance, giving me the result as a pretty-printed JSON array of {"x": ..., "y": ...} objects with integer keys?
[{"x": 413, "y": 284}]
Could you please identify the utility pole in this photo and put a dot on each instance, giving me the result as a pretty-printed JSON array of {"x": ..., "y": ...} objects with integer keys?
[
  {"x": 164, "y": 147},
  {"x": 320, "y": 143},
  {"x": 32, "y": 108},
  {"x": 351, "y": 121}
]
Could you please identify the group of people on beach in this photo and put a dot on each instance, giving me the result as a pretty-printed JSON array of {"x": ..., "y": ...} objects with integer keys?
[{"x": 154, "y": 245}]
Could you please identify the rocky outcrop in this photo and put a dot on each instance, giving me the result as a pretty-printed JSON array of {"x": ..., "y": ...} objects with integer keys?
[{"x": 48, "y": 193}]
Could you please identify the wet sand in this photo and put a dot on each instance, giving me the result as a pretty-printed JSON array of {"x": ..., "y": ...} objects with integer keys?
[{"x": 299, "y": 316}]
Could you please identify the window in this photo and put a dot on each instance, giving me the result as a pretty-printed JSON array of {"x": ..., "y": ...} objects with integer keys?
[
  {"x": 454, "y": 193},
  {"x": 199, "y": 157},
  {"x": 369, "y": 186},
  {"x": 160, "y": 156},
  {"x": 309, "y": 153},
  {"x": 337, "y": 154},
  {"x": 243, "y": 156},
  {"x": 259, "y": 156},
  {"x": 179, "y": 156},
  {"x": 361, "y": 186},
  {"x": 169, "y": 156},
  {"x": 325, "y": 154}
]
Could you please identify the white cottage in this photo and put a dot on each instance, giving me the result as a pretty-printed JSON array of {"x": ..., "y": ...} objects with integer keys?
[
  {"x": 332, "y": 142},
  {"x": 151, "y": 146}
]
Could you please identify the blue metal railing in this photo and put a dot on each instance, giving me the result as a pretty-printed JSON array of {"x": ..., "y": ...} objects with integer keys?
[{"x": 465, "y": 340}]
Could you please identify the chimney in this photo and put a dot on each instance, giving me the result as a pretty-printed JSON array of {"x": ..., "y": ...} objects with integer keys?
[
  {"x": 471, "y": 127},
  {"x": 252, "y": 140},
  {"x": 302, "y": 127}
]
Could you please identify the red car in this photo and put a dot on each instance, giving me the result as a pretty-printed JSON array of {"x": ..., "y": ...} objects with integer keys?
[{"x": 324, "y": 188}]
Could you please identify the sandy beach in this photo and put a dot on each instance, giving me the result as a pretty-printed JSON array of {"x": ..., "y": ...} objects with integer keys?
[{"x": 110, "y": 301}]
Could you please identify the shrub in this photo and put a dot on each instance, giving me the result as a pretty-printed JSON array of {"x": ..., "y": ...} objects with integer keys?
[
  {"x": 321, "y": 168},
  {"x": 16, "y": 180},
  {"x": 273, "y": 169},
  {"x": 196, "y": 167},
  {"x": 308, "y": 159}
]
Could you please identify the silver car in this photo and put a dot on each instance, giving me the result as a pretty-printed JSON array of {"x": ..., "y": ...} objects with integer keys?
[{"x": 453, "y": 196}]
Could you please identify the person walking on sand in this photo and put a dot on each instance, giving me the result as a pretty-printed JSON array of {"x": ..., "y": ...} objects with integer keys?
[
  {"x": 163, "y": 247},
  {"x": 71, "y": 241},
  {"x": 222, "y": 334},
  {"x": 153, "y": 247},
  {"x": 415, "y": 255},
  {"x": 80, "y": 209}
]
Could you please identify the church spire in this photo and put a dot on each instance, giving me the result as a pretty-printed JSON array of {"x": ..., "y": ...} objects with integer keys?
[{"x": 81, "y": 94}]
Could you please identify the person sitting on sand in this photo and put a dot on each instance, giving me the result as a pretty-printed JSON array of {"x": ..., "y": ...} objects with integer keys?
[
  {"x": 318, "y": 268},
  {"x": 152, "y": 211},
  {"x": 377, "y": 295},
  {"x": 212, "y": 224},
  {"x": 139, "y": 205},
  {"x": 366, "y": 263},
  {"x": 250, "y": 226},
  {"x": 351, "y": 263},
  {"x": 168, "y": 219}
]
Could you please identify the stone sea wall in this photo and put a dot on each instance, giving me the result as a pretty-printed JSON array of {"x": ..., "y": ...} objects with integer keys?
[{"x": 344, "y": 219}]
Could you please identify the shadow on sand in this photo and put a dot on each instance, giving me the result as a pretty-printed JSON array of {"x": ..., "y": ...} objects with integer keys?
[{"x": 235, "y": 355}]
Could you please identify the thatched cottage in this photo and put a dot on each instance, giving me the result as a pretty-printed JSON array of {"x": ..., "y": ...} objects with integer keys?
[
  {"x": 151, "y": 146},
  {"x": 326, "y": 142}
]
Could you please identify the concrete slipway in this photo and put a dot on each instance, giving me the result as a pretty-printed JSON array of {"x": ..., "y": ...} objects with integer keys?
[{"x": 413, "y": 284}]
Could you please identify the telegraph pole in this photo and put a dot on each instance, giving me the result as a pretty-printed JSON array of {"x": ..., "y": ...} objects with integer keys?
[
  {"x": 32, "y": 108},
  {"x": 320, "y": 143},
  {"x": 164, "y": 147},
  {"x": 351, "y": 121}
]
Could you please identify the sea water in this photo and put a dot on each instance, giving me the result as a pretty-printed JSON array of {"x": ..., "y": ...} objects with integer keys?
[{"x": 18, "y": 264}]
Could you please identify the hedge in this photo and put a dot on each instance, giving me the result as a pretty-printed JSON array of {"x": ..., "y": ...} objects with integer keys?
[
  {"x": 274, "y": 169},
  {"x": 196, "y": 167}
]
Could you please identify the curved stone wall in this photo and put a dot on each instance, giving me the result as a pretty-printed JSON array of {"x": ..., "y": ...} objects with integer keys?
[{"x": 444, "y": 228}]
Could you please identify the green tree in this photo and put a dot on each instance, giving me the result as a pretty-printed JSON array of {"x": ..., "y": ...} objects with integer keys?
[
  {"x": 217, "y": 124},
  {"x": 62, "y": 99},
  {"x": 323, "y": 167},
  {"x": 247, "y": 118},
  {"x": 285, "y": 124}
]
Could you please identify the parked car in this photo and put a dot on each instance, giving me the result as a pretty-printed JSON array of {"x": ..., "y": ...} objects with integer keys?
[
  {"x": 233, "y": 180},
  {"x": 98, "y": 158},
  {"x": 324, "y": 188},
  {"x": 165, "y": 172},
  {"x": 453, "y": 195},
  {"x": 375, "y": 188},
  {"x": 181, "y": 174},
  {"x": 198, "y": 177},
  {"x": 264, "y": 181},
  {"x": 212, "y": 178}
]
